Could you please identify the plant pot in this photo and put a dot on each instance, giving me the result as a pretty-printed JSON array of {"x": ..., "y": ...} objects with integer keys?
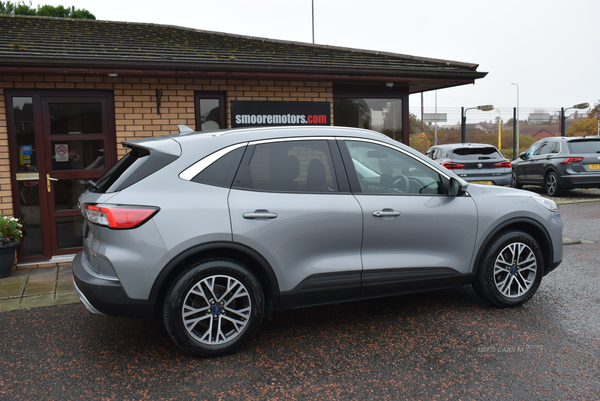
[{"x": 7, "y": 257}]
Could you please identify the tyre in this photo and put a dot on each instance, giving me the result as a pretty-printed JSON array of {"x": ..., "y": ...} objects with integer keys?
[
  {"x": 214, "y": 308},
  {"x": 515, "y": 181},
  {"x": 510, "y": 270},
  {"x": 552, "y": 187}
]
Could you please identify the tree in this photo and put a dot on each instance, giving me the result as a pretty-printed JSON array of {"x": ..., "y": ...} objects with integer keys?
[
  {"x": 419, "y": 142},
  {"x": 583, "y": 127},
  {"x": 20, "y": 8}
]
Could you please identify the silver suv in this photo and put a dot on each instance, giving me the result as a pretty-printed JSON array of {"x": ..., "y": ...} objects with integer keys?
[{"x": 214, "y": 231}]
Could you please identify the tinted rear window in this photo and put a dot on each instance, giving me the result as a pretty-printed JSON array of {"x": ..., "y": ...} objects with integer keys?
[
  {"x": 136, "y": 165},
  {"x": 585, "y": 146},
  {"x": 477, "y": 153}
]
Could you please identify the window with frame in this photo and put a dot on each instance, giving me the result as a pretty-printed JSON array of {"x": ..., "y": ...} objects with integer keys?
[
  {"x": 210, "y": 111},
  {"x": 289, "y": 166},
  {"x": 384, "y": 170}
]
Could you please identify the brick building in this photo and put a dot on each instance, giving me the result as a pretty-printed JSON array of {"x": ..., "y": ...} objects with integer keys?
[{"x": 72, "y": 90}]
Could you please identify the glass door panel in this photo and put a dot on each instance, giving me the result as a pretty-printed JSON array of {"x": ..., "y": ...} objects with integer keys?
[{"x": 27, "y": 176}]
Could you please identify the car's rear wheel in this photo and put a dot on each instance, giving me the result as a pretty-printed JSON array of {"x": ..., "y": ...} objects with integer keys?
[
  {"x": 510, "y": 270},
  {"x": 515, "y": 181},
  {"x": 214, "y": 308},
  {"x": 552, "y": 187}
]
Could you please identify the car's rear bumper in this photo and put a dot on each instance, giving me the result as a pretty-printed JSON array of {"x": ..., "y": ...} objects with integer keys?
[
  {"x": 580, "y": 181},
  {"x": 106, "y": 296}
]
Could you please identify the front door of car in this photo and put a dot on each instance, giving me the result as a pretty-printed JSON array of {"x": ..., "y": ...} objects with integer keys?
[
  {"x": 412, "y": 231},
  {"x": 539, "y": 161},
  {"x": 291, "y": 205}
]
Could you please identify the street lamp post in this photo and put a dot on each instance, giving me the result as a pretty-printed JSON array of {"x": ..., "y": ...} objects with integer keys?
[
  {"x": 463, "y": 119},
  {"x": 562, "y": 115},
  {"x": 517, "y": 144}
]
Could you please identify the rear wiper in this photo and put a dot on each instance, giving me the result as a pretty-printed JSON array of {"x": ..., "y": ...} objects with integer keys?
[{"x": 93, "y": 184}]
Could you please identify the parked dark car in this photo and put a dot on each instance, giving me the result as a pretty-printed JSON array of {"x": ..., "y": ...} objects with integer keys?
[
  {"x": 559, "y": 163},
  {"x": 478, "y": 163}
]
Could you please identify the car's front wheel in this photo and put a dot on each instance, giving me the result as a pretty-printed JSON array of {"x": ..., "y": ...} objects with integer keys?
[
  {"x": 510, "y": 270},
  {"x": 214, "y": 308},
  {"x": 552, "y": 187}
]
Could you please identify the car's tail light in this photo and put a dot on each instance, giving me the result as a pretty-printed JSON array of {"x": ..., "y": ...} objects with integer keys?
[
  {"x": 570, "y": 160},
  {"x": 504, "y": 164},
  {"x": 119, "y": 217},
  {"x": 454, "y": 166}
]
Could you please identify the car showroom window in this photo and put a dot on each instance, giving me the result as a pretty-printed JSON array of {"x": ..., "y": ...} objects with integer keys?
[
  {"x": 289, "y": 166},
  {"x": 383, "y": 170}
]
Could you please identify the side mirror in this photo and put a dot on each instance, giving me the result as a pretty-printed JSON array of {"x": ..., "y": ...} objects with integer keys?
[
  {"x": 456, "y": 188},
  {"x": 523, "y": 155}
]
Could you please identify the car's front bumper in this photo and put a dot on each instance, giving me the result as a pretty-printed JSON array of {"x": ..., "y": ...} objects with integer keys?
[{"x": 105, "y": 296}]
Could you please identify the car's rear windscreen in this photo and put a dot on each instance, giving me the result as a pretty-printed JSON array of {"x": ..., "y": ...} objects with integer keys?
[
  {"x": 476, "y": 153},
  {"x": 584, "y": 146},
  {"x": 136, "y": 165}
]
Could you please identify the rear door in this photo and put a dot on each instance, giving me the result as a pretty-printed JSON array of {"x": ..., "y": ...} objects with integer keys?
[{"x": 291, "y": 203}]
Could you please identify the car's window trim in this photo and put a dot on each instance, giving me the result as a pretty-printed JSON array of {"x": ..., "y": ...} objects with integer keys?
[{"x": 203, "y": 163}]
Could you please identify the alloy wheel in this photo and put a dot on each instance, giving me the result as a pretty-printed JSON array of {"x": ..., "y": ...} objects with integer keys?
[
  {"x": 216, "y": 310},
  {"x": 515, "y": 270}
]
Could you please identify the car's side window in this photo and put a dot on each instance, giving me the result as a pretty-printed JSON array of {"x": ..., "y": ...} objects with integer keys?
[
  {"x": 384, "y": 170},
  {"x": 289, "y": 166},
  {"x": 532, "y": 149},
  {"x": 555, "y": 148},
  {"x": 545, "y": 149}
]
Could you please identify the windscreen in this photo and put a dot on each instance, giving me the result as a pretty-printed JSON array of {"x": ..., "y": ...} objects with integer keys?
[
  {"x": 477, "y": 153},
  {"x": 584, "y": 146},
  {"x": 138, "y": 164}
]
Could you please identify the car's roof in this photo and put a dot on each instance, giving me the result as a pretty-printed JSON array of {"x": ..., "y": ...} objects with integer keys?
[
  {"x": 464, "y": 145},
  {"x": 572, "y": 138},
  {"x": 224, "y": 137}
]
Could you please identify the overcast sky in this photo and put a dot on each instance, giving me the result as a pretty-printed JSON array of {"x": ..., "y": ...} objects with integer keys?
[{"x": 549, "y": 48}]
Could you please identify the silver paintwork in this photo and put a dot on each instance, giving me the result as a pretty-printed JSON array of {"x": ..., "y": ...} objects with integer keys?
[{"x": 303, "y": 234}]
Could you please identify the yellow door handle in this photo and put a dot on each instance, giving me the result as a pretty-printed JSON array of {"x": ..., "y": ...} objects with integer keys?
[{"x": 48, "y": 185}]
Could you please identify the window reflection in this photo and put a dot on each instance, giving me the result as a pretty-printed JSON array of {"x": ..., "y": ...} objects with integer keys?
[{"x": 381, "y": 115}]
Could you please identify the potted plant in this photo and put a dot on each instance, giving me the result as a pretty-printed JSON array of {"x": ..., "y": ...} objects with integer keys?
[{"x": 10, "y": 236}]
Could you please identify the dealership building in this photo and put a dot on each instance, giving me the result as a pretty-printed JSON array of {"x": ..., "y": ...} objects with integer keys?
[{"x": 71, "y": 90}]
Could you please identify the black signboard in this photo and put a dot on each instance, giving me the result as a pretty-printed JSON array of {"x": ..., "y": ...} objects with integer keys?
[{"x": 247, "y": 113}]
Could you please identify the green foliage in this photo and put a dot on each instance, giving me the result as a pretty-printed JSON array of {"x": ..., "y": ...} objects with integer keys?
[
  {"x": 20, "y": 8},
  {"x": 10, "y": 230}
]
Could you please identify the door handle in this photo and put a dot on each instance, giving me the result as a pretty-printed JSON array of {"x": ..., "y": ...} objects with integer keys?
[
  {"x": 48, "y": 185},
  {"x": 386, "y": 213},
  {"x": 261, "y": 215}
]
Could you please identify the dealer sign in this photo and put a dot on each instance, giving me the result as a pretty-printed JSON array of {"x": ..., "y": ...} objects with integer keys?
[{"x": 246, "y": 113}]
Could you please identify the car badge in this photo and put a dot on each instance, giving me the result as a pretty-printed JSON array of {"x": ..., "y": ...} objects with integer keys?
[{"x": 480, "y": 166}]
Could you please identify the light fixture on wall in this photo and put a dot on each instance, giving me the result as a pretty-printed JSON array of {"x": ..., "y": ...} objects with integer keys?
[
  {"x": 389, "y": 85},
  {"x": 113, "y": 75}
]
